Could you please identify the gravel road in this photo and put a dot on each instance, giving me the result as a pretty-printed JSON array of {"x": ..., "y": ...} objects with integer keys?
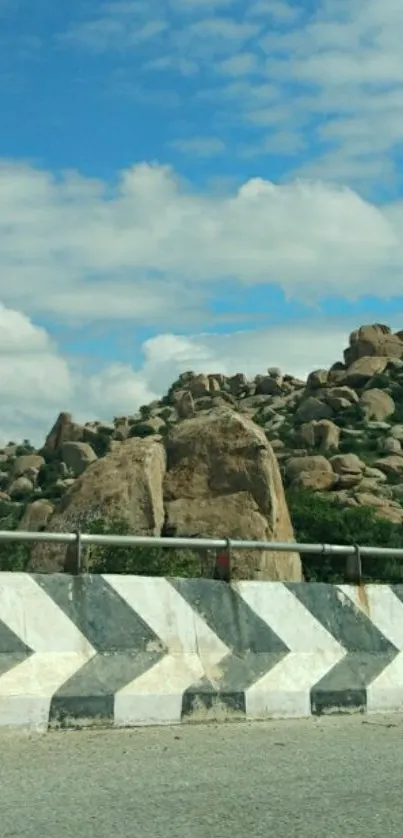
[{"x": 335, "y": 777}]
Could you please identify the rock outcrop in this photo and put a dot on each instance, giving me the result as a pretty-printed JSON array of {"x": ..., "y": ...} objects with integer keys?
[
  {"x": 213, "y": 454},
  {"x": 223, "y": 480}
]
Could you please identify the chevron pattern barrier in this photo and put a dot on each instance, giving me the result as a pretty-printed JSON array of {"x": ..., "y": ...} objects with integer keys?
[{"x": 123, "y": 650}]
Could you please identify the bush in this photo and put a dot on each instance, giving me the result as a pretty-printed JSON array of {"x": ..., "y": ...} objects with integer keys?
[
  {"x": 138, "y": 561},
  {"x": 319, "y": 520},
  {"x": 48, "y": 475},
  {"x": 101, "y": 444},
  {"x": 141, "y": 430},
  {"x": 14, "y": 556}
]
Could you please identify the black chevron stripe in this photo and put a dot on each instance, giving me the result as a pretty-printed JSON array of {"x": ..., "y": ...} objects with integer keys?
[
  {"x": 126, "y": 646},
  {"x": 230, "y": 617},
  {"x": 368, "y": 650},
  {"x": 232, "y": 677},
  {"x": 12, "y": 649},
  {"x": 255, "y": 647}
]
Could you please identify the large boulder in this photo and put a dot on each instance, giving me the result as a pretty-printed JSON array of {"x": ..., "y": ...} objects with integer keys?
[
  {"x": 77, "y": 456},
  {"x": 25, "y": 464},
  {"x": 223, "y": 480},
  {"x": 126, "y": 484},
  {"x": 362, "y": 370},
  {"x": 375, "y": 339},
  {"x": 64, "y": 430},
  {"x": 312, "y": 408},
  {"x": 36, "y": 515},
  {"x": 377, "y": 404},
  {"x": 324, "y": 435}
]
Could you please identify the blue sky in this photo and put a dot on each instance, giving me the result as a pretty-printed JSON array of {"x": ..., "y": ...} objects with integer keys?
[{"x": 191, "y": 184}]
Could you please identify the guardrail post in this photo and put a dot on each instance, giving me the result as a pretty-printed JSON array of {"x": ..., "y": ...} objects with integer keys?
[
  {"x": 79, "y": 552},
  {"x": 354, "y": 567},
  {"x": 222, "y": 569}
]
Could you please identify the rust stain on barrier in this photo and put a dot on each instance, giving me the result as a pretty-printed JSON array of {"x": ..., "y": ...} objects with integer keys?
[{"x": 363, "y": 599}]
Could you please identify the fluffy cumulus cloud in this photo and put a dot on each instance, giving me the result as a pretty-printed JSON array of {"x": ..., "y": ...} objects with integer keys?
[
  {"x": 37, "y": 382},
  {"x": 154, "y": 251}
]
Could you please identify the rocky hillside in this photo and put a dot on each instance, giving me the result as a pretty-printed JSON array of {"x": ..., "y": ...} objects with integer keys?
[{"x": 209, "y": 444}]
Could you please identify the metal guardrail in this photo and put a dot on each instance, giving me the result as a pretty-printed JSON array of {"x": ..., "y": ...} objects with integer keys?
[{"x": 223, "y": 547}]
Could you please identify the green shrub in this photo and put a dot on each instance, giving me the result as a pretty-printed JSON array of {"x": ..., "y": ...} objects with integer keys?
[
  {"x": 320, "y": 520},
  {"x": 101, "y": 444},
  {"x": 138, "y": 561},
  {"x": 14, "y": 555},
  {"x": 141, "y": 430}
]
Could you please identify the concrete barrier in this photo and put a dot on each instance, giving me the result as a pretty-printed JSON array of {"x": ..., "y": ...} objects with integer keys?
[{"x": 126, "y": 650}]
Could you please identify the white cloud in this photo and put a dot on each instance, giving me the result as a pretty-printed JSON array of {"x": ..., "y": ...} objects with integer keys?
[
  {"x": 200, "y": 146},
  {"x": 152, "y": 250},
  {"x": 241, "y": 64},
  {"x": 37, "y": 382}
]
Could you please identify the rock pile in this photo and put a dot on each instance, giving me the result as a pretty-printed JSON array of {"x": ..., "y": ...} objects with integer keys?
[{"x": 211, "y": 457}]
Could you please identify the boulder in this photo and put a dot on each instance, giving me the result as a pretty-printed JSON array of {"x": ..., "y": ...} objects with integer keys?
[
  {"x": 23, "y": 465},
  {"x": 373, "y": 340},
  {"x": 223, "y": 480},
  {"x": 317, "y": 379},
  {"x": 316, "y": 481},
  {"x": 377, "y": 404},
  {"x": 20, "y": 487},
  {"x": 36, "y": 516},
  {"x": 390, "y": 465},
  {"x": 347, "y": 464},
  {"x": 390, "y": 445},
  {"x": 297, "y": 465},
  {"x": 312, "y": 408},
  {"x": 324, "y": 435},
  {"x": 185, "y": 405},
  {"x": 126, "y": 484},
  {"x": 267, "y": 385},
  {"x": 77, "y": 456},
  {"x": 64, "y": 430},
  {"x": 362, "y": 370}
]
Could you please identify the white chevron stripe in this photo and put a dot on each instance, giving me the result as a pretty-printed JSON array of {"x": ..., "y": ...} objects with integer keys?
[
  {"x": 61, "y": 650},
  {"x": 381, "y": 606},
  {"x": 285, "y": 690},
  {"x": 35, "y": 618},
  {"x": 194, "y": 651},
  {"x": 385, "y": 610}
]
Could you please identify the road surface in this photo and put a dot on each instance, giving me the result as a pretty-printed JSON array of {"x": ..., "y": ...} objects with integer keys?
[{"x": 335, "y": 777}]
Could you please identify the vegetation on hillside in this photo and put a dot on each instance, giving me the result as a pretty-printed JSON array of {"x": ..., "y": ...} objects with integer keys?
[{"x": 316, "y": 519}]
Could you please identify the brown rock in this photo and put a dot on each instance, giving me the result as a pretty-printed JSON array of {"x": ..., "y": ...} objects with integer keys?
[
  {"x": 317, "y": 379},
  {"x": 64, "y": 430},
  {"x": 390, "y": 465},
  {"x": 238, "y": 384},
  {"x": 36, "y": 516},
  {"x": 324, "y": 435},
  {"x": 223, "y": 480},
  {"x": 377, "y": 404},
  {"x": 126, "y": 484},
  {"x": 375, "y": 339},
  {"x": 314, "y": 480},
  {"x": 347, "y": 464},
  {"x": 390, "y": 445},
  {"x": 26, "y": 463},
  {"x": 340, "y": 398},
  {"x": 199, "y": 386},
  {"x": 316, "y": 463},
  {"x": 388, "y": 510},
  {"x": 19, "y": 487},
  {"x": 185, "y": 405},
  {"x": 267, "y": 385},
  {"x": 362, "y": 370},
  {"x": 312, "y": 408},
  {"x": 77, "y": 456}
]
